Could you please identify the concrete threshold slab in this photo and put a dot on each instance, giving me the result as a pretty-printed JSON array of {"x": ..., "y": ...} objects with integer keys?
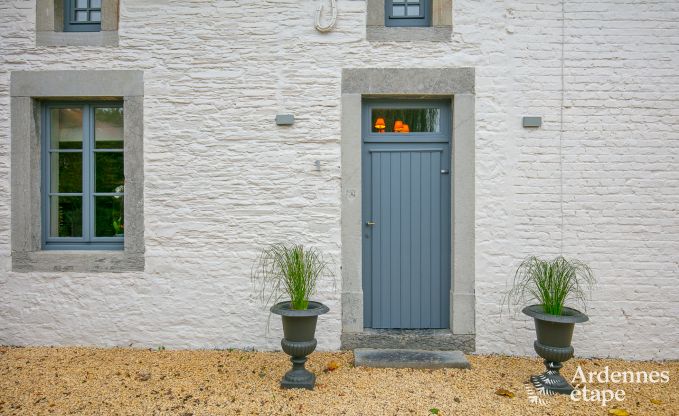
[{"x": 397, "y": 358}]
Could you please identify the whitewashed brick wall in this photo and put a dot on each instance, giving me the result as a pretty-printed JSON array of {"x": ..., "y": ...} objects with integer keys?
[{"x": 222, "y": 180}]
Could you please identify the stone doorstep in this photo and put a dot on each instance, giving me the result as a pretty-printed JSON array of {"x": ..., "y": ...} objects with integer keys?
[{"x": 394, "y": 358}]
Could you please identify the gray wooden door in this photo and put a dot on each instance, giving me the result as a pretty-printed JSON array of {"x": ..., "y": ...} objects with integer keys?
[{"x": 406, "y": 227}]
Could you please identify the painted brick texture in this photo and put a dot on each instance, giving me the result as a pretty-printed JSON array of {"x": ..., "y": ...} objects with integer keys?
[{"x": 599, "y": 180}]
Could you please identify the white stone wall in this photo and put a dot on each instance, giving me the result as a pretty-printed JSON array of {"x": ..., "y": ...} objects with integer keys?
[{"x": 599, "y": 180}]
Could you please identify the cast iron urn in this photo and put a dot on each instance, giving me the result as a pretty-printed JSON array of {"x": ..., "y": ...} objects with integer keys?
[
  {"x": 299, "y": 328},
  {"x": 553, "y": 344}
]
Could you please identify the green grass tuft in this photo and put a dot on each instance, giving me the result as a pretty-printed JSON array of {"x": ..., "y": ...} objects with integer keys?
[
  {"x": 551, "y": 283},
  {"x": 289, "y": 269}
]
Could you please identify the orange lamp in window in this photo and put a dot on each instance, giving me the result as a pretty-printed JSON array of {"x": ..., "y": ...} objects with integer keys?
[
  {"x": 405, "y": 128},
  {"x": 398, "y": 126},
  {"x": 380, "y": 125}
]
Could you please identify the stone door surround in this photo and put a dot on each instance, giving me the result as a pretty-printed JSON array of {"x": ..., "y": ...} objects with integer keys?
[{"x": 458, "y": 85}]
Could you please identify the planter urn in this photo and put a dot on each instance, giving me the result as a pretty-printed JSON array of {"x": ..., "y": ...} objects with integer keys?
[
  {"x": 553, "y": 344},
  {"x": 299, "y": 328}
]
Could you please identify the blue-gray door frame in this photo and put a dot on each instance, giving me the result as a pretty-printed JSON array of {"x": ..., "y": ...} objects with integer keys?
[{"x": 400, "y": 289}]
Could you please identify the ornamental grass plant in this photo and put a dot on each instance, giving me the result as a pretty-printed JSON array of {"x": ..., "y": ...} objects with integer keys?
[
  {"x": 551, "y": 283},
  {"x": 289, "y": 269}
]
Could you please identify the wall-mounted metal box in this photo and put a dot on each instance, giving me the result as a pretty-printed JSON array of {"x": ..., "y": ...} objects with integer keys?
[
  {"x": 285, "y": 119},
  {"x": 532, "y": 121}
]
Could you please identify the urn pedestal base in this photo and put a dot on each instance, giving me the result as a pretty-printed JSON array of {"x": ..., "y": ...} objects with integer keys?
[
  {"x": 551, "y": 381},
  {"x": 298, "y": 377}
]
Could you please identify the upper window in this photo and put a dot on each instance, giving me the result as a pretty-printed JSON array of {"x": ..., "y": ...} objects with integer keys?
[
  {"x": 409, "y": 20},
  {"x": 82, "y": 15},
  {"x": 407, "y": 12},
  {"x": 76, "y": 22},
  {"x": 83, "y": 179}
]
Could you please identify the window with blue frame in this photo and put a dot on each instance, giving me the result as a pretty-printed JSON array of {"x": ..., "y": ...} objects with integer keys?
[
  {"x": 407, "y": 12},
  {"x": 83, "y": 176},
  {"x": 82, "y": 15}
]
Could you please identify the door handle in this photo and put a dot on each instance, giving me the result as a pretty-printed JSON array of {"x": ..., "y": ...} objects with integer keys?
[
  {"x": 370, "y": 223},
  {"x": 444, "y": 171}
]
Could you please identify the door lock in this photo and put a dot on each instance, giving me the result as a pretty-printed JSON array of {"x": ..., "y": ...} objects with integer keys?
[{"x": 370, "y": 223}]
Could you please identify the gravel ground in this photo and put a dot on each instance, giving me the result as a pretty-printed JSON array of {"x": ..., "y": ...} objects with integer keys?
[{"x": 119, "y": 381}]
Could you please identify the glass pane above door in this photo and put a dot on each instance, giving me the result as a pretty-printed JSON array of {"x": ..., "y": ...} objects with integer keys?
[{"x": 406, "y": 120}]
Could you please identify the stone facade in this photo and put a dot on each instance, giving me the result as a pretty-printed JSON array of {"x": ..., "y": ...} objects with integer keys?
[{"x": 599, "y": 180}]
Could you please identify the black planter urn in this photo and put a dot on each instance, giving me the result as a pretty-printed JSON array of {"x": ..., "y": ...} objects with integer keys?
[
  {"x": 299, "y": 328},
  {"x": 553, "y": 344}
]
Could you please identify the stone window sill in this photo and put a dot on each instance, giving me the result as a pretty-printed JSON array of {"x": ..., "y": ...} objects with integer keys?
[
  {"x": 409, "y": 34},
  {"x": 103, "y": 38},
  {"x": 77, "y": 261}
]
